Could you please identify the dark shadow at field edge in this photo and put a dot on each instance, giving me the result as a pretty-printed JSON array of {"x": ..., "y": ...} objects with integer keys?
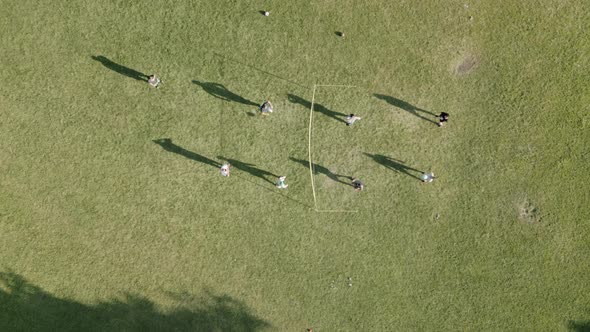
[
  {"x": 126, "y": 71},
  {"x": 249, "y": 168},
  {"x": 317, "y": 169},
  {"x": 166, "y": 144},
  {"x": 317, "y": 108},
  {"x": 394, "y": 164},
  {"x": 218, "y": 90},
  {"x": 579, "y": 326},
  {"x": 27, "y": 307},
  {"x": 407, "y": 107}
]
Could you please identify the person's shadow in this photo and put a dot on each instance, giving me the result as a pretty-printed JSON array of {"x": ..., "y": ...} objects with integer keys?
[
  {"x": 167, "y": 145},
  {"x": 249, "y": 168},
  {"x": 407, "y": 107},
  {"x": 394, "y": 164},
  {"x": 218, "y": 90},
  {"x": 316, "y": 107},
  {"x": 317, "y": 169},
  {"x": 126, "y": 71}
]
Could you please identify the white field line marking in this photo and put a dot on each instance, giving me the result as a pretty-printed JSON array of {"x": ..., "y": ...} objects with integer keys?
[
  {"x": 336, "y": 85},
  {"x": 336, "y": 211},
  {"x": 309, "y": 152},
  {"x": 315, "y": 203}
]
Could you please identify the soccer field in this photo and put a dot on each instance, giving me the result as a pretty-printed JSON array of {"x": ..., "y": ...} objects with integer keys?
[{"x": 114, "y": 215}]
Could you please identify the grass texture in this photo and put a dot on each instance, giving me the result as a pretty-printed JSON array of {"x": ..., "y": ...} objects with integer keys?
[{"x": 113, "y": 215}]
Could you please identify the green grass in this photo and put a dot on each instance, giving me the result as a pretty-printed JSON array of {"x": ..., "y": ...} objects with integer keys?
[{"x": 102, "y": 228}]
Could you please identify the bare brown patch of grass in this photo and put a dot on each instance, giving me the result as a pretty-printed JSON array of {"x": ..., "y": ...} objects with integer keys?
[
  {"x": 528, "y": 212},
  {"x": 466, "y": 64}
]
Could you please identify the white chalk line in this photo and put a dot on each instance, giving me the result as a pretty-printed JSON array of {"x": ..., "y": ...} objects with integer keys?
[
  {"x": 335, "y": 85},
  {"x": 309, "y": 148},
  {"x": 336, "y": 211}
]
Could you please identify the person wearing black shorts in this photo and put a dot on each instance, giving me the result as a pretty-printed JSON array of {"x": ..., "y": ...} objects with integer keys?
[{"x": 442, "y": 118}]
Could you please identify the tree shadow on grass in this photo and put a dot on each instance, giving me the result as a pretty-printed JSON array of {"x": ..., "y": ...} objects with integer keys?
[
  {"x": 167, "y": 145},
  {"x": 579, "y": 326},
  {"x": 394, "y": 164},
  {"x": 317, "y": 169},
  {"x": 249, "y": 168},
  {"x": 317, "y": 108},
  {"x": 407, "y": 107},
  {"x": 126, "y": 71},
  {"x": 218, "y": 90},
  {"x": 26, "y": 307}
]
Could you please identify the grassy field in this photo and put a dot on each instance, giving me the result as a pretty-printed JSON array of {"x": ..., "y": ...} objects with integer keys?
[{"x": 113, "y": 215}]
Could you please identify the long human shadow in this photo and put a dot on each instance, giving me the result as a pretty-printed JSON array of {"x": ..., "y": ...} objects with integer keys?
[
  {"x": 407, "y": 107},
  {"x": 394, "y": 164},
  {"x": 218, "y": 90},
  {"x": 316, "y": 107},
  {"x": 27, "y": 307},
  {"x": 126, "y": 71},
  {"x": 249, "y": 168},
  {"x": 166, "y": 144},
  {"x": 318, "y": 169}
]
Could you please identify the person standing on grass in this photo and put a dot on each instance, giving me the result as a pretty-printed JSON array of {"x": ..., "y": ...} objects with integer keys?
[
  {"x": 154, "y": 81},
  {"x": 266, "y": 108},
  {"x": 442, "y": 118},
  {"x": 225, "y": 169},
  {"x": 357, "y": 184},
  {"x": 351, "y": 119},
  {"x": 281, "y": 182},
  {"x": 427, "y": 177}
]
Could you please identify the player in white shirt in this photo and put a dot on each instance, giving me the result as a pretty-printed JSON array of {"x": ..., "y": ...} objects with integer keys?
[
  {"x": 266, "y": 108},
  {"x": 281, "y": 182},
  {"x": 154, "y": 81},
  {"x": 351, "y": 119},
  {"x": 225, "y": 169}
]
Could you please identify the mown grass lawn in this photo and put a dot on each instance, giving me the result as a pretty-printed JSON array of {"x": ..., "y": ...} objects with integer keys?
[{"x": 113, "y": 215}]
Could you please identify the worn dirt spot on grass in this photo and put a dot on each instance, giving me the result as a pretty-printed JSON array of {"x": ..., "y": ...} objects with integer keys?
[
  {"x": 528, "y": 212},
  {"x": 466, "y": 64}
]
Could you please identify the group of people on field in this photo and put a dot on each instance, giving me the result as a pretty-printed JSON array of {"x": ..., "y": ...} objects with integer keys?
[{"x": 266, "y": 108}]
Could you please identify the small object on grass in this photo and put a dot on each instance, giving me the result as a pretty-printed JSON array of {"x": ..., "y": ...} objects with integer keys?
[
  {"x": 266, "y": 13},
  {"x": 340, "y": 34}
]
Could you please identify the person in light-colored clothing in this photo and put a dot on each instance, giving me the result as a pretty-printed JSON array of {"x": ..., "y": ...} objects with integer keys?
[
  {"x": 427, "y": 177},
  {"x": 154, "y": 81},
  {"x": 225, "y": 169},
  {"x": 351, "y": 119},
  {"x": 266, "y": 108},
  {"x": 281, "y": 182}
]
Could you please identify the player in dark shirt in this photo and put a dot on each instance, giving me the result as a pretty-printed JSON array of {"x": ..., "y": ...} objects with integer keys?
[
  {"x": 357, "y": 184},
  {"x": 442, "y": 118}
]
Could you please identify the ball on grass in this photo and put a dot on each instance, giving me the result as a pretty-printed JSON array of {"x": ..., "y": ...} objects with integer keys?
[{"x": 266, "y": 13}]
